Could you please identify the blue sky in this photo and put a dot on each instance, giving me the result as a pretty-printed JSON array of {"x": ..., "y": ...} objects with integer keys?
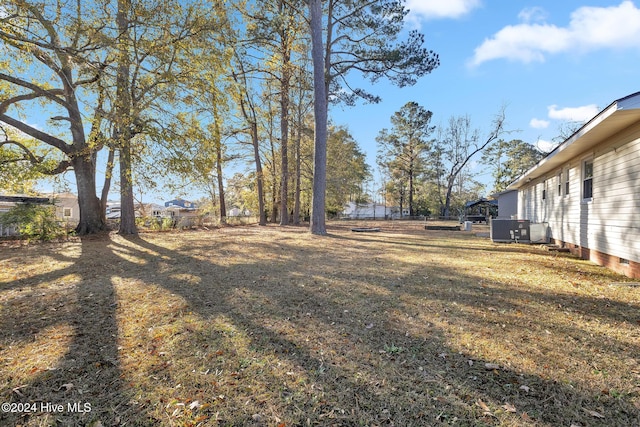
[{"x": 548, "y": 62}]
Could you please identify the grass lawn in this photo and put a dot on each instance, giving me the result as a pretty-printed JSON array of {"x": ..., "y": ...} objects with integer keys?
[{"x": 271, "y": 326}]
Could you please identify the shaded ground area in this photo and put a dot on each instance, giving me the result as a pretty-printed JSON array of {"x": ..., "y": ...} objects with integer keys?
[{"x": 274, "y": 327}]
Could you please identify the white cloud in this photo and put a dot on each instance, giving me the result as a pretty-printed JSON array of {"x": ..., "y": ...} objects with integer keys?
[
  {"x": 438, "y": 9},
  {"x": 567, "y": 114},
  {"x": 525, "y": 43},
  {"x": 533, "y": 14},
  {"x": 590, "y": 28},
  {"x": 573, "y": 114},
  {"x": 539, "y": 124},
  {"x": 595, "y": 27}
]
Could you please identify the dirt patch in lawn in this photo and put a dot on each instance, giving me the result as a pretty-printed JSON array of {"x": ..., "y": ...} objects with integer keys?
[{"x": 271, "y": 326}]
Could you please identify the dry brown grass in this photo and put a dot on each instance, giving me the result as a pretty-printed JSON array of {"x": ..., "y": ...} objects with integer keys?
[{"x": 271, "y": 326}]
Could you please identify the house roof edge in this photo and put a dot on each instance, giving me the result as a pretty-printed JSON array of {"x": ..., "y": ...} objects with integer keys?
[{"x": 625, "y": 103}]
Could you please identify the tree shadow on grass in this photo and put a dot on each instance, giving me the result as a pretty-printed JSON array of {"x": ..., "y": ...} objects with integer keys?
[
  {"x": 425, "y": 367},
  {"x": 61, "y": 330},
  {"x": 342, "y": 340}
]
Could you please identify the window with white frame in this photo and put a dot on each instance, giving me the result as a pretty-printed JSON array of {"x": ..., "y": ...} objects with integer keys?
[
  {"x": 559, "y": 182},
  {"x": 66, "y": 212},
  {"x": 587, "y": 179},
  {"x": 566, "y": 182}
]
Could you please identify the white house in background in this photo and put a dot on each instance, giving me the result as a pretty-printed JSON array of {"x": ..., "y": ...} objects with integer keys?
[
  {"x": 67, "y": 207},
  {"x": 369, "y": 210},
  {"x": 5, "y": 206},
  {"x": 588, "y": 189},
  {"x": 113, "y": 209},
  {"x": 8, "y": 202},
  {"x": 151, "y": 209}
]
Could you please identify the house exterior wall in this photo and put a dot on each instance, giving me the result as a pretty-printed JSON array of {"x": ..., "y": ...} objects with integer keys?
[
  {"x": 180, "y": 203},
  {"x": 66, "y": 211},
  {"x": 604, "y": 228},
  {"x": 67, "y": 208},
  {"x": 366, "y": 211},
  {"x": 507, "y": 204},
  {"x": 10, "y": 230}
]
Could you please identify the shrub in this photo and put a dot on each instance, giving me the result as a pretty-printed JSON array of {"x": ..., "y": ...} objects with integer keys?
[
  {"x": 156, "y": 224},
  {"x": 33, "y": 221}
]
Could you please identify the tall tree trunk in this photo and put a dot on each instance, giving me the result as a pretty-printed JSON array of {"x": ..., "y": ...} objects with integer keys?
[
  {"x": 211, "y": 189},
  {"x": 446, "y": 211},
  {"x": 320, "y": 109},
  {"x": 274, "y": 201},
  {"x": 223, "y": 205},
  {"x": 217, "y": 136},
  {"x": 91, "y": 220},
  {"x": 127, "y": 206},
  {"x": 296, "y": 204},
  {"x": 106, "y": 187},
  {"x": 411, "y": 188},
  {"x": 285, "y": 83},
  {"x": 284, "y": 153},
  {"x": 84, "y": 167},
  {"x": 274, "y": 182},
  {"x": 123, "y": 122},
  {"x": 259, "y": 174}
]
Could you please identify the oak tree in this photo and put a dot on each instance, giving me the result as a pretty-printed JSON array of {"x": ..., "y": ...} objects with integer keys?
[{"x": 51, "y": 62}]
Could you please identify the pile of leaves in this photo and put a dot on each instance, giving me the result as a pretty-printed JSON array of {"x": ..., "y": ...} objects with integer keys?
[{"x": 272, "y": 326}]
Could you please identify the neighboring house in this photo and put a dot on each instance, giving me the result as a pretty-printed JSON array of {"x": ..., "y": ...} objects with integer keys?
[
  {"x": 141, "y": 210},
  {"x": 112, "y": 209},
  {"x": 5, "y": 207},
  {"x": 150, "y": 210},
  {"x": 182, "y": 211},
  {"x": 587, "y": 189},
  {"x": 8, "y": 202},
  {"x": 67, "y": 207},
  {"x": 180, "y": 203},
  {"x": 369, "y": 210},
  {"x": 66, "y": 204},
  {"x": 183, "y": 217}
]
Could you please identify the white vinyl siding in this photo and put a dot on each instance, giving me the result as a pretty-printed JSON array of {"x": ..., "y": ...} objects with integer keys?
[
  {"x": 609, "y": 222},
  {"x": 613, "y": 216}
]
